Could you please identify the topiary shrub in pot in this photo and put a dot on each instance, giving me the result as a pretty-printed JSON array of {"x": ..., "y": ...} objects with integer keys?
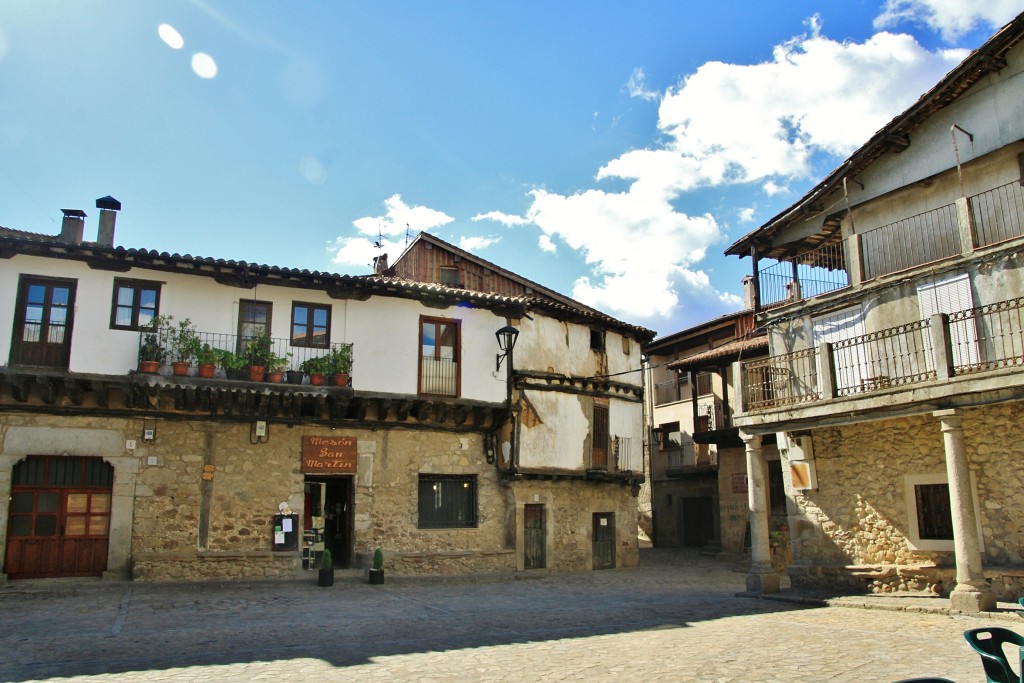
[{"x": 377, "y": 572}]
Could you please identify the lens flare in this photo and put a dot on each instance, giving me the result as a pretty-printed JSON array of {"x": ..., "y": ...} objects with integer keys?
[
  {"x": 203, "y": 65},
  {"x": 170, "y": 35}
]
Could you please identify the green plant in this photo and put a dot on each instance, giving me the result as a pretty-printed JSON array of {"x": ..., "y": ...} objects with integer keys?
[
  {"x": 184, "y": 341},
  {"x": 152, "y": 348},
  {"x": 208, "y": 355},
  {"x": 326, "y": 562},
  {"x": 257, "y": 350},
  {"x": 321, "y": 365},
  {"x": 341, "y": 359},
  {"x": 378, "y": 559},
  {"x": 277, "y": 363},
  {"x": 230, "y": 361}
]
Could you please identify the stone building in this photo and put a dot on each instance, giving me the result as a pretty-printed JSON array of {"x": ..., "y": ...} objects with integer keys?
[
  {"x": 422, "y": 448},
  {"x": 892, "y": 297},
  {"x": 697, "y": 466}
]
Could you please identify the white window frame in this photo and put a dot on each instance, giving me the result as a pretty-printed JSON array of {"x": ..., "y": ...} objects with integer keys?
[
  {"x": 914, "y": 540},
  {"x": 951, "y": 295}
]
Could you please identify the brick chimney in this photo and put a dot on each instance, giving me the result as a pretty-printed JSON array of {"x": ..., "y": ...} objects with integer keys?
[
  {"x": 380, "y": 264},
  {"x": 108, "y": 207},
  {"x": 73, "y": 227}
]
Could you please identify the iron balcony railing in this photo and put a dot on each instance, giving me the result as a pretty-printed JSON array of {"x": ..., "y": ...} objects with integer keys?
[
  {"x": 817, "y": 272},
  {"x": 231, "y": 351},
  {"x": 439, "y": 376},
  {"x": 979, "y": 340},
  {"x": 997, "y": 214},
  {"x": 927, "y": 237},
  {"x": 992, "y": 216}
]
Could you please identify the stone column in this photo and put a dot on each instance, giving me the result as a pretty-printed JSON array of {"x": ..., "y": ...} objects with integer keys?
[
  {"x": 971, "y": 593},
  {"x": 762, "y": 577}
]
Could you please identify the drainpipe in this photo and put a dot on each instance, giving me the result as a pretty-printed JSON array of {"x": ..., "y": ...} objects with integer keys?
[{"x": 956, "y": 150}]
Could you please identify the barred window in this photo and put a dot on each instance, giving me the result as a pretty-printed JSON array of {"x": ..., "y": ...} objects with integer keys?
[{"x": 447, "y": 501}]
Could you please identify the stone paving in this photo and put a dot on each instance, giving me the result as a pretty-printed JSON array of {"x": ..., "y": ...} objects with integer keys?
[{"x": 678, "y": 617}]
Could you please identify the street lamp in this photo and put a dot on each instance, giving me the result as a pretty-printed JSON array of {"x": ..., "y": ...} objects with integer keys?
[{"x": 506, "y": 342}]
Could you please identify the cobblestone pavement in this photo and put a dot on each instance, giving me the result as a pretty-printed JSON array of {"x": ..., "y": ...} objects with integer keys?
[{"x": 676, "y": 618}]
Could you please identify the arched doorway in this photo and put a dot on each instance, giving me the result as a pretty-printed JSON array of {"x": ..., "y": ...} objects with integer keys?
[{"x": 59, "y": 517}]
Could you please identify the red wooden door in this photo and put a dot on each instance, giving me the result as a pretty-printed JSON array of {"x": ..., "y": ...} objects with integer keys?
[
  {"x": 59, "y": 518},
  {"x": 534, "y": 537}
]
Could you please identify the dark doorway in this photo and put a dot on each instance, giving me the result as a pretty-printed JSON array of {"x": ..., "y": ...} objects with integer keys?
[
  {"x": 59, "y": 517},
  {"x": 604, "y": 540},
  {"x": 533, "y": 537},
  {"x": 698, "y": 521},
  {"x": 328, "y": 519}
]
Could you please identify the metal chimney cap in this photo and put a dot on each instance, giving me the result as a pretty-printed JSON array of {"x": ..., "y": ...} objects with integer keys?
[
  {"x": 108, "y": 202},
  {"x": 77, "y": 213}
]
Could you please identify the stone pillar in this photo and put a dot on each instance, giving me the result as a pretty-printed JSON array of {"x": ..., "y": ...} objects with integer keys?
[
  {"x": 971, "y": 593},
  {"x": 762, "y": 577}
]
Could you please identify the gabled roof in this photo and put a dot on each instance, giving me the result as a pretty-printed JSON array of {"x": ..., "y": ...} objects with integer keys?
[
  {"x": 243, "y": 274},
  {"x": 730, "y": 351},
  {"x": 558, "y": 301},
  {"x": 988, "y": 58}
]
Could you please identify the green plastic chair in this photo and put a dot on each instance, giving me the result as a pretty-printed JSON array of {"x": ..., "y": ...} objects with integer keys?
[
  {"x": 988, "y": 643},
  {"x": 924, "y": 680}
]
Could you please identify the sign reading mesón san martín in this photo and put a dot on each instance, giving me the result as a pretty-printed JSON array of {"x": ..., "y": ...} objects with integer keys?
[{"x": 329, "y": 454}]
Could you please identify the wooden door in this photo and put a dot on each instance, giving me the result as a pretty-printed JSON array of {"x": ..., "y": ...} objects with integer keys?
[
  {"x": 697, "y": 522},
  {"x": 59, "y": 518},
  {"x": 599, "y": 447},
  {"x": 42, "y": 322},
  {"x": 534, "y": 540},
  {"x": 604, "y": 540}
]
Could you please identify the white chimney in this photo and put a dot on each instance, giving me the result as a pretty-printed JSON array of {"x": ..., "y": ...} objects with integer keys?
[
  {"x": 748, "y": 292},
  {"x": 108, "y": 207}
]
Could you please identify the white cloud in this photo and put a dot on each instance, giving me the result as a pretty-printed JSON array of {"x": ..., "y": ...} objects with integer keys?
[
  {"x": 746, "y": 215},
  {"x": 744, "y": 123},
  {"x": 545, "y": 244},
  {"x": 401, "y": 217},
  {"x": 637, "y": 86},
  {"x": 726, "y": 124},
  {"x": 476, "y": 243},
  {"x": 503, "y": 218},
  {"x": 951, "y": 18}
]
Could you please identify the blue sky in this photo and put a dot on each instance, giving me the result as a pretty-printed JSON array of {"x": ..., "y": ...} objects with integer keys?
[{"x": 607, "y": 150}]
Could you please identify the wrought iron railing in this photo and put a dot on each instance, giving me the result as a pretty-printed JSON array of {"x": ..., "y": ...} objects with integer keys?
[
  {"x": 927, "y": 237},
  {"x": 230, "y": 351},
  {"x": 891, "y": 357},
  {"x": 439, "y": 376},
  {"x": 988, "y": 337},
  {"x": 818, "y": 272},
  {"x": 628, "y": 458},
  {"x": 998, "y": 214},
  {"x": 781, "y": 380}
]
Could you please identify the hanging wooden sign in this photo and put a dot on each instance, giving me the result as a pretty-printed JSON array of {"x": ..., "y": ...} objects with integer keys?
[{"x": 329, "y": 454}]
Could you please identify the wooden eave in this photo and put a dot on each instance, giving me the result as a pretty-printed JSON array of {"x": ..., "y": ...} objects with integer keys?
[{"x": 49, "y": 391}]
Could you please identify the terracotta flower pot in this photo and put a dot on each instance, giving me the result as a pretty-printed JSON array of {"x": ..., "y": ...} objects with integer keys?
[
  {"x": 150, "y": 366},
  {"x": 180, "y": 368},
  {"x": 206, "y": 370},
  {"x": 257, "y": 372},
  {"x": 340, "y": 379},
  {"x": 316, "y": 379},
  {"x": 275, "y": 377}
]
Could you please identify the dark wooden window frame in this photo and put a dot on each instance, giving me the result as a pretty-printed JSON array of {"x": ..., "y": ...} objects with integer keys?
[
  {"x": 442, "y": 270},
  {"x": 243, "y": 304},
  {"x": 26, "y": 281},
  {"x": 600, "y": 446},
  {"x": 454, "y": 505},
  {"x": 307, "y": 339},
  {"x": 137, "y": 287},
  {"x": 456, "y": 353}
]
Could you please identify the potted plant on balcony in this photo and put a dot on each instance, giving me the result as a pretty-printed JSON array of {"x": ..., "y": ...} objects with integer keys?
[
  {"x": 184, "y": 345},
  {"x": 276, "y": 365},
  {"x": 377, "y": 571},
  {"x": 258, "y": 353},
  {"x": 341, "y": 365},
  {"x": 207, "y": 358},
  {"x": 325, "y": 577},
  {"x": 233, "y": 364},
  {"x": 151, "y": 350},
  {"x": 317, "y": 368}
]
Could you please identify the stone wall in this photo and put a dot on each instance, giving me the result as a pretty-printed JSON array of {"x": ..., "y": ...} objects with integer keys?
[
  {"x": 854, "y": 528},
  {"x": 734, "y": 510}
]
